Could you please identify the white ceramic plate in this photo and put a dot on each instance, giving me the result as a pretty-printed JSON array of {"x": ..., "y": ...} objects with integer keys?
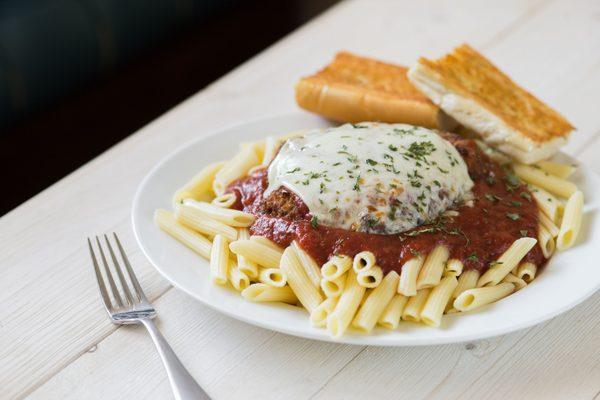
[{"x": 567, "y": 280}]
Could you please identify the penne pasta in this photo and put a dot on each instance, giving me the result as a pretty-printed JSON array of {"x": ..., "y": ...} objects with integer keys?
[
  {"x": 224, "y": 201},
  {"x": 526, "y": 272},
  {"x": 507, "y": 261},
  {"x": 259, "y": 292},
  {"x": 560, "y": 170},
  {"x": 318, "y": 317},
  {"x": 414, "y": 305},
  {"x": 259, "y": 253},
  {"x": 408, "y": 276},
  {"x": 237, "y": 278},
  {"x": 200, "y": 186},
  {"x": 362, "y": 261},
  {"x": 192, "y": 218},
  {"x": 272, "y": 276},
  {"x": 219, "y": 260},
  {"x": 544, "y": 180},
  {"x": 335, "y": 287},
  {"x": 571, "y": 222},
  {"x": 475, "y": 298},
  {"x": 309, "y": 264},
  {"x": 272, "y": 145},
  {"x": 547, "y": 203},
  {"x": 518, "y": 282},
  {"x": 375, "y": 303},
  {"x": 227, "y": 216},
  {"x": 195, "y": 241},
  {"x": 466, "y": 280},
  {"x": 548, "y": 224},
  {"x": 250, "y": 268},
  {"x": 266, "y": 242},
  {"x": 336, "y": 267},
  {"x": 235, "y": 168},
  {"x": 370, "y": 278},
  {"x": 298, "y": 280},
  {"x": 436, "y": 302},
  {"x": 546, "y": 241},
  {"x": 453, "y": 267},
  {"x": 390, "y": 318},
  {"x": 339, "y": 320},
  {"x": 433, "y": 268}
]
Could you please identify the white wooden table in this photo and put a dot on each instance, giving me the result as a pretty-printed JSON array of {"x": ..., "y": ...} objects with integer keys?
[{"x": 55, "y": 339}]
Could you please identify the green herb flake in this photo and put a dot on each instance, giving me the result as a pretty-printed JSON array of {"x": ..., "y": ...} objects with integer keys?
[
  {"x": 473, "y": 257},
  {"x": 314, "y": 222},
  {"x": 523, "y": 232},
  {"x": 513, "y": 216}
]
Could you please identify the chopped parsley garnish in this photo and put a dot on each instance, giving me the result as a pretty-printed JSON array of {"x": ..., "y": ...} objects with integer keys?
[
  {"x": 523, "y": 232},
  {"x": 371, "y": 162},
  {"x": 525, "y": 195},
  {"x": 512, "y": 182},
  {"x": 494, "y": 263},
  {"x": 490, "y": 180},
  {"x": 357, "y": 184},
  {"x": 291, "y": 171},
  {"x": 492, "y": 197},
  {"x": 515, "y": 203},
  {"x": 513, "y": 216},
  {"x": 314, "y": 222},
  {"x": 473, "y": 257}
]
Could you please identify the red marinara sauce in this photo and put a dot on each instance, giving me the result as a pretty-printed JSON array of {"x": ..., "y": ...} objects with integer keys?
[{"x": 503, "y": 211}]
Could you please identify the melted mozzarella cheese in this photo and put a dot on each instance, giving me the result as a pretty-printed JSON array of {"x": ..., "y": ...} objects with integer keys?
[{"x": 372, "y": 177}]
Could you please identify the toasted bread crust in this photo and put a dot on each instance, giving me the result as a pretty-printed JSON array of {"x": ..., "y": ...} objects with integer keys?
[
  {"x": 469, "y": 74},
  {"x": 355, "y": 89}
]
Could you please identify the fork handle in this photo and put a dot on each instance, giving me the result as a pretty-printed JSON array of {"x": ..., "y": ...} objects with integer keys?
[{"x": 183, "y": 385}]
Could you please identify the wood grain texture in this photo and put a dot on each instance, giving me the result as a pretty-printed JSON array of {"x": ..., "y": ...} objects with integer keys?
[{"x": 56, "y": 342}]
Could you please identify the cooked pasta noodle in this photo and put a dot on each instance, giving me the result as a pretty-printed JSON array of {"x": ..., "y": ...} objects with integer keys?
[
  {"x": 336, "y": 267},
  {"x": 375, "y": 303},
  {"x": 192, "y": 218},
  {"x": 557, "y": 169},
  {"x": 518, "y": 282},
  {"x": 436, "y": 302},
  {"x": 250, "y": 268},
  {"x": 195, "y": 241},
  {"x": 412, "y": 310},
  {"x": 362, "y": 261},
  {"x": 219, "y": 260},
  {"x": 390, "y": 318},
  {"x": 235, "y": 168},
  {"x": 272, "y": 276},
  {"x": 548, "y": 224},
  {"x": 335, "y": 287},
  {"x": 299, "y": 282},
  {"x": 339, "y": 320},
  {"x": 507, "y": 261},
  {"x": 548, "y": 204},
  {"x": 408, "y": 276},
  {"x": 571, "y": 222},
  {"x": 466, "y": 280},
  {"x": 259, "y": 253},
  {"x": 544, "y": 180},
  {"x": 453, "y": 267},
  {"x": 260, "y": 292},
  {"x": 527, "y": 271},
  {"x": 478, "y": 297},
  {"x": 318, "y": 316},
  {"x": 237, "y": 278},
  {"x": 309, "y": 264},
  {"x": 433, "y": 268},
  {"x": 227, "y": 216},
  {"x": 370, "y": 278},
  {"x": 200, "y": 186},
  {"x": 546, "y": 241},
  {"x": 225, "y": 200}
]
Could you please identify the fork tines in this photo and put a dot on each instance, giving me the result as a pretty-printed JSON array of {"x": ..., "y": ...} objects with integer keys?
[{"x": 130, "y": 293}]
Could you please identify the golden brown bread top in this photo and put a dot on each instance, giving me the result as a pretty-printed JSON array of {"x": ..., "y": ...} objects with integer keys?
[
  {"x": 353, "y": 72},
  {"x": 469, "y": 74}
]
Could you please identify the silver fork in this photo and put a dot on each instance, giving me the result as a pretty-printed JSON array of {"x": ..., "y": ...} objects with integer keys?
[{"x": 132, "y": 307}]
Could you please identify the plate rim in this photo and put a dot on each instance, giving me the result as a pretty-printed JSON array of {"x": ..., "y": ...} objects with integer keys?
[{"x": 321, "y": 335}]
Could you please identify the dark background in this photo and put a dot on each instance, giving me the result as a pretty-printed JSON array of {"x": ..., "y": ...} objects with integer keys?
[{"x": 40, "y": 146}]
